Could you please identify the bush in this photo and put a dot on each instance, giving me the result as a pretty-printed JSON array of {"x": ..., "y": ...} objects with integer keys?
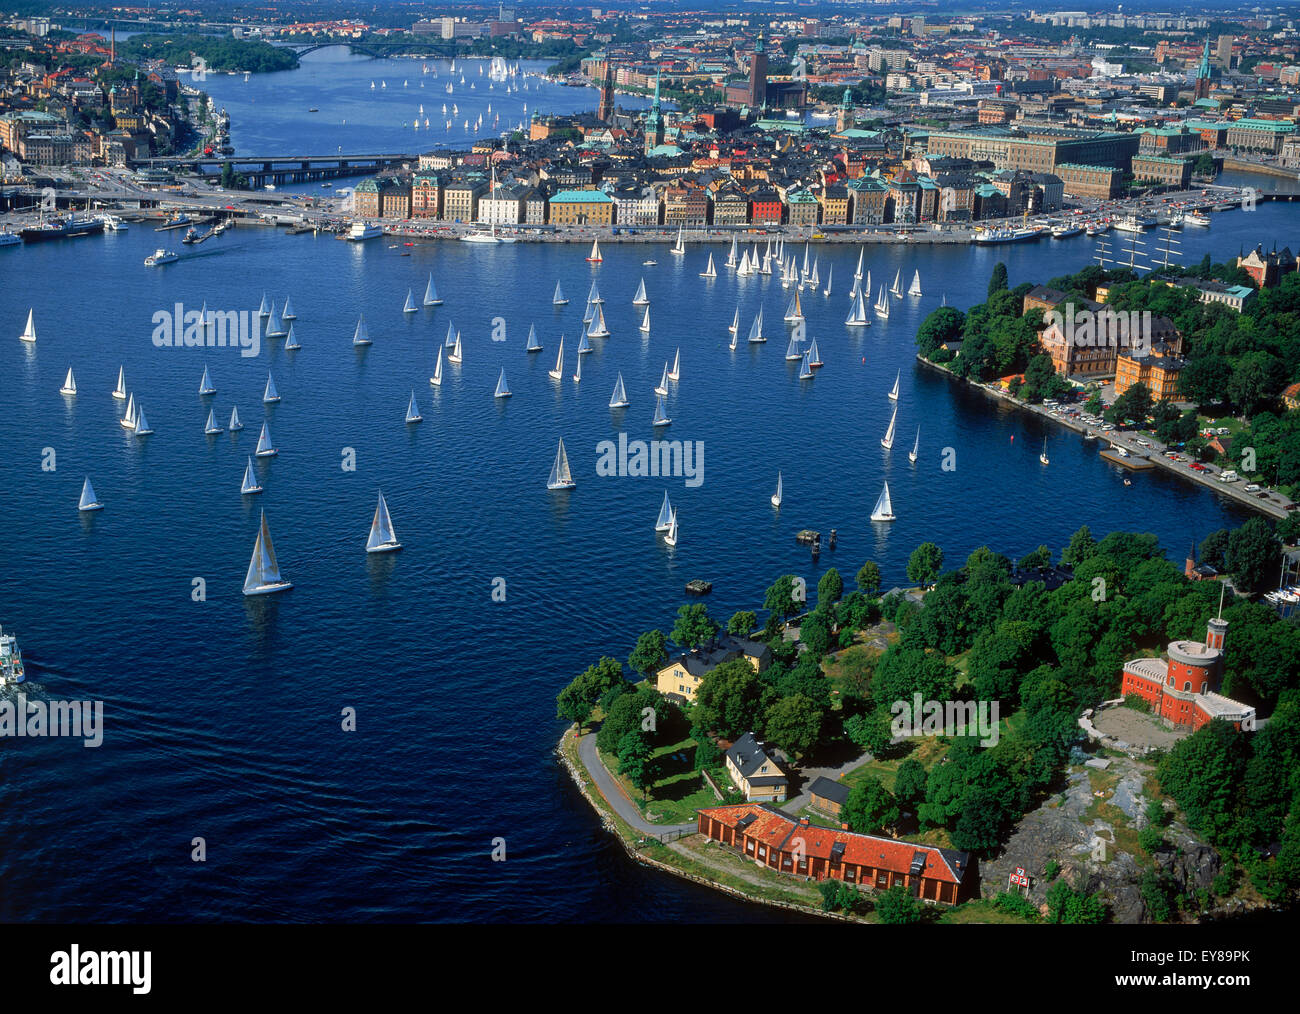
[
  {"x": 1151, "y": 840},
  {"x": 1052, "y": 871},
  {"x": 1016, "y": 904}
]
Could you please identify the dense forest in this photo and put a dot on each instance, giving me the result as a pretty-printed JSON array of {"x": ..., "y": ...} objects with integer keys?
[{"x": 221, "y": 53}]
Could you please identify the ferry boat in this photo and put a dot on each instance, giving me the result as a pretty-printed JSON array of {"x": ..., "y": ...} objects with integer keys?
[
  {"x": 191, "y": 235},
  {"x": 989, "y": 237},
  {"x": 113, "y": 224},
  {"x": 1196, "y": 218},
  {"x": 1065, "y": 230},
  {"x": 1130, "y": 223},
  {"x": 160, "y": 257},
  {"x": 362, "y": 231},
  {"x": 62, "y": 228},
  {"x": 8, "y": 238},
  {"x": 11, "y": 660}
]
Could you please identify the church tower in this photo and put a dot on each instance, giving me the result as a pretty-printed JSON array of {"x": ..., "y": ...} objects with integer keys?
[
  {"x": 1202, "y": 88},
  {"x": 758, "y": 75},
  {"x": 605, "y": 112},
  {"x": 844, "y": 121},
  {"x": 654, "y": 122}
]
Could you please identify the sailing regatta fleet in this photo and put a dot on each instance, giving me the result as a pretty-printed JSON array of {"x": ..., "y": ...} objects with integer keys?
[{"x": 263, "y": 575}]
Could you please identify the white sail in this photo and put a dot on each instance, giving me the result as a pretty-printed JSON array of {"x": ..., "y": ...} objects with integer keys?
[
  {"x": 805, "y": 371},
  {"x": 598, "y": 328},
  {"x": 69, "y": 384},
  {"x": 361, "y": 336},
  {"x": 595, "y": 251},
  {"x": 265, "y": 309},
  {"x": 858, "y": 313},
  {"x": 710, "y": 271},
  {"x": 884, "y": 509},
  {"x": 270, "y": 396},
  {"x": 410, "y": 306},
  {"x": 291, "y": 345},
  {"x": 756, "y": 330},
  {"x": 250, "y": 485},
  {"x": 661, "y": 414},
  {"x": 670, "y": 539},
  {"x": 533, "y": 344},
  {"x": 829, "y": 272},
  {"x": 776, "y": 497},
  {"x": 558, "y": 299},
  {"x": 619, "y": 398},
  {"x": 450, "y": 341},
  {"x": 265, "y": 449},
  {"x": 662, "y": 387},
  {"x": 205, "y": 385},
  {"x": 561, "y": 477},
  {"x": 128, "y": 420},
  {"x": 665, "y": 519},
  {"x": 858, "y": 273},
  {"x": 288, "y": 313},
  {"x": 456, "y": 355},
  {"x": 915, "y": 288},
  {"x": 274, "y": 329},
  {"x": 1043, "y": 457},
  {"x": 234, "y": 423},
  {"x": 382, "y": 537},
  {"x": 897, "y": 288},
  {"x": 679, "y": 247},
  {"x": 792, "y": 351},
  {"x": 911, "y": 455},
  {"x": 558, "y": 372},
  {"x": 584, "y": 346},
  {"x": 794, "y": 312},
  {"x": 413, "y": 409},
  {"x": 887, "y": 441},
  {"x": 29, "y": 332},
  {"x": 212, "y": 426},
  {"x": 503, "y": 389},
  {"x": 675, "y": 374},
  {"x": 731, "y": 258},
  {"x": 589, "y": 314},
  {"x": 436, "y": 379},
  {"x": 141, "y": 428},
  {"x": 882, "y": 304},
  {"x": 814, "y": 355},
  {"x": 431, "y": 293},
  {"x": 577, "y": 364},
  {"x": 735, "y": 322},
  {"x": 119, "y": 391},
  {"x": 640, "y": 298},
  {"x": 893, "y": 395},
  {"x": 263, "y": 569},
  {"x": 88, "y": 501},
  {"x": 645, "y": 321}
]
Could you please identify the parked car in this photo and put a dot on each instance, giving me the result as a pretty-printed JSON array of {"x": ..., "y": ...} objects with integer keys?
[{"x": 1252, "y": 487}]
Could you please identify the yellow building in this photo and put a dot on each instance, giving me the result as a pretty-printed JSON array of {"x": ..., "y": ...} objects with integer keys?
[
  {"x": 581, "y": 207},
  {"x": 681, "y": 676},
  {"x": 754, "y": 772}
]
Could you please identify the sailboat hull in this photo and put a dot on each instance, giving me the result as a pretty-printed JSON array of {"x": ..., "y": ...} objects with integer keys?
[
  {"x": 269, "y": 589},
  {"x": 91, "y": 507},
  {"x": 384, "y": 547}
]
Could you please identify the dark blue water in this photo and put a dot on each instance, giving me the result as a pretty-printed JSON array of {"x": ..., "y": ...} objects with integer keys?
[{"x": 223, "y": 716}]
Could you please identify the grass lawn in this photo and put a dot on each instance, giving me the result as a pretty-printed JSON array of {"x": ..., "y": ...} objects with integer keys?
[
  {"x": 980, "y": 910},
  {"x": 852, "y": 669},
  {"x": 929, "y": 750},
  {"x": 678, "y": 791}
]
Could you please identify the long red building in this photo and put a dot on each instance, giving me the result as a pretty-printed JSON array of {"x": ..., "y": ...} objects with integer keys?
[{"x": 779, "y": 841}]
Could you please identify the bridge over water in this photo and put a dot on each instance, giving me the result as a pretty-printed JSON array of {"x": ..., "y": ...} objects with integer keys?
[{"x": 260, "y": 170}]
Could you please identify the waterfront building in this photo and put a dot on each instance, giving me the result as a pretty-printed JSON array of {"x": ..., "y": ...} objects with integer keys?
[
  {"x": 1158, "y": 372},
  {"x": 1265, "y": 136},
  {"x": 867, "y": 195},
  {"x": 1182, "y": 686},
  {"x": 460, "y": 198},
  {"x": 1201, "y": 89},
  {"x": 754, "y": 772},
  {"x": 1171, "y": 172},
  {"x": 834, "y": 200},
  {"x": 426, "y": 194},
  {"x": 686, "y": 204},
  {"x": 680, "y": 677},
  {"x": 768, "y": 836},
  {"x": 765, "y": 206},
  {"x": 581, "y": 207},
  {"x": 1094, "y": 182},
  {"x": 730, "y": 204},
  {"x": 802, "y": 207},
  {"x": 1039, "y": 149}
]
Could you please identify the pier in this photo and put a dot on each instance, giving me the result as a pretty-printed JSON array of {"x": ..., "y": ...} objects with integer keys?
[{"x": 1134, "y": 462}]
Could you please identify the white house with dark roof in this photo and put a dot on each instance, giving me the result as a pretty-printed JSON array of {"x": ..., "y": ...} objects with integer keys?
[{"x": 754, "y": 771}]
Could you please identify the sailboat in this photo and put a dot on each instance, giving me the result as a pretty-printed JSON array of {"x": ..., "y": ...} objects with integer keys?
[
  {"x": 559, "y": 298},
  {"x": 577, "y": 366},
  {"x": 265, "y": 309},
  {"x": 287, "y": 313},
  {"x": 274, "y": 329},
  {"x": 361, "y": 336},
  {"x": 88, "y": 501},
  {"x": 794, "y": 312},
  {"x": 558, "y": 372},
  {"x": 679, "y": 247},
  {"x": 662, "y": 387},
  {"x": 263, "y": 576},
  {"x": 911, "y": 455},
  {"x": 671, "y": 538},
  {"x": 731, "y": 260},
  {"x": 69, "y": 384},
  {"x": 410, "y": 306},
  {"x": 1043, "y": 457},
  {"x": 456, "y": 354},
  {"x": 234, "y": 425},
  {"x": 645, "y": 321},
  {"x": 735, "y": 323},
  {"x": 814, "y": 356},
  {"x": 249, "y": 486},
  {"x": 619, "y": 398},
  {"x": 561, "y": 477},
  {"x": 291, "y": 342},
  {"x": 857, "y": 275},
  {"x": 756, "y": 331},
  {"x": 897, "y": 288},
  {"x": 205, "y": 384},
  {"x": 128, "y": 421},
  {"x": 732, "y": 344},
  {"x": 915, "y": 288},
  {"x": 805, "y": 371},
  {"x": 119, "y": 392},
  {"x": 413, "y": 410},
  {"x": 595, "y": 257},
  {"x": 640, "y": 298},
  {"x": 212, "y": 427},
  {"x": 265, "y": 449},
  {"x": 141, "y": 428},
  {"x": 594, "y": 296},
  {"x": 858, "y": 314},
  {"x": 776, "y": 497},
  {"x": 884, "y": 509},
  {"x": 887, "y": 441},
  {"x": 882, "y": 305},
  {"x": 598, "y": 328},
  {"x": 533, "y": 344},
  {"x": 589, "y": 314},
  {"x": 436, "y": 379},
  {"x": 893, "y": 395},
  {"x": 431, "y": 297},
  {"x": 661, "y": 414},
  {"x": 710, "y": 271},
  {"x": 675, "y": 374},
  {"x": 829, "y": 272},
  {"x": 450, "y": 341},
  {"x": 503, "y": 389},
  {"x": 665, "y": 519},
  {"x": 584, "y": 346},
  {"x": 792, "y": 351},
  {"x": 29, "y": 332},
  {"x": 382, "y": 537},
  {"x": 270, "y": 396}
]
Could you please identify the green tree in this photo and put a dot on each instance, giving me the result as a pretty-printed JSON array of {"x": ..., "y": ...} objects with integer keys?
[
  {"x": 794, "y": 724},
  {"x": 1082, "y": 547},
  {"x": 634, "y": 761},
  {"x": 830, "y": 588},
  {"x": 786, "y": 597},
  {"x": 730, "y": 699},
  {"x": 815, "y": 633},
  {"x": 940, "y": 326},
  {"x": 649, "y": 654},
  {"x": 870, "y": 730},
  {"x": 998, "y": 280},
  {"x": 575, "y": 702},
  {"x": 909, "y": 783},
  {"x": 868, "y": 579},
  {"x": 1068, "y": 906},
  {"x": 694, "y": 627},
  {"x": 896, "y": 907},
  {"x": 1040, "y": 557},
  {"x": 924, "y": 563},
  {"x": 1253, "y": 556},
  {"x": 742, "y": 623},
  {"x": 870, "y": 808}
]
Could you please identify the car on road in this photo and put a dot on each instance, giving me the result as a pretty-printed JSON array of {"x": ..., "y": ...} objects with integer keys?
[
  {"x": 1252, "y": 487},
  {"x": 1196, "y": 466}
]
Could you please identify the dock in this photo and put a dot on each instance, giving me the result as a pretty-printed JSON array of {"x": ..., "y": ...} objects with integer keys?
[
  {"x": 1130, "y": 461},
  {"x": 699, "y": 587}
]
